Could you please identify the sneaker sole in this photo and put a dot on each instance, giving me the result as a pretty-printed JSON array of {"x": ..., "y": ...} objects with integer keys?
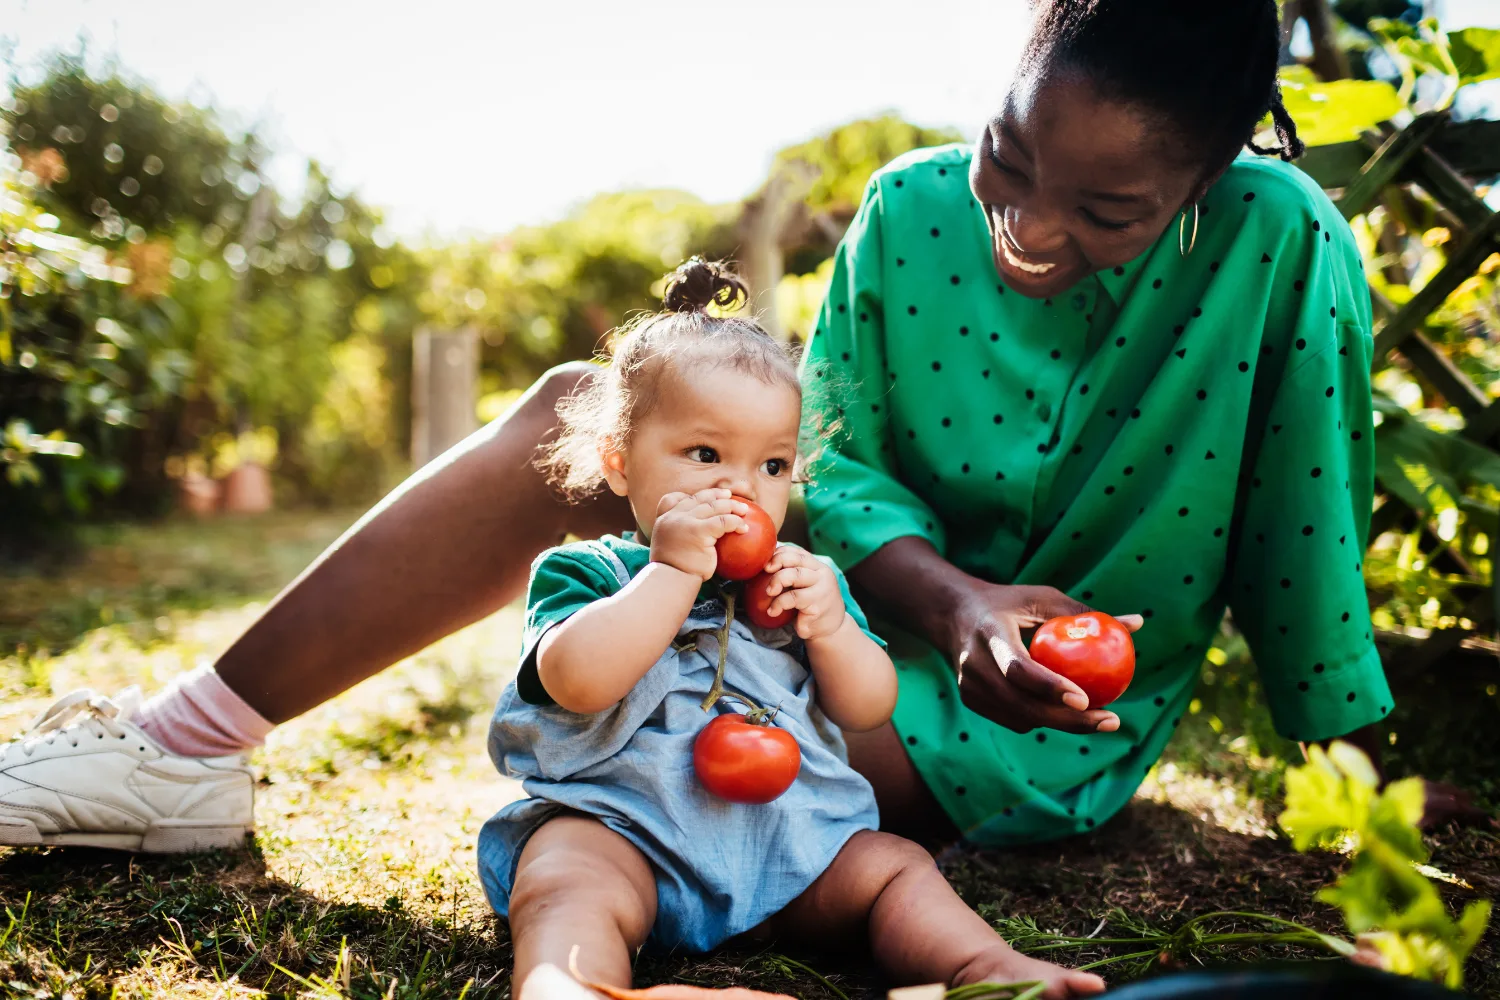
[{"x": 159, "y": 838}]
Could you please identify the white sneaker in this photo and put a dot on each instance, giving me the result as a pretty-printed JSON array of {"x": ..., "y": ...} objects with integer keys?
[{"x": 83, "y": 774}]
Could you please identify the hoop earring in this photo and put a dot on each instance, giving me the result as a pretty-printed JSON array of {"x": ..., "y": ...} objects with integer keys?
[{"x": 1181, "y": 231}]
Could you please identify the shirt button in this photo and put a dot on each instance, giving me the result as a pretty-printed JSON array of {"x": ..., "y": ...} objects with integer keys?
[
  {"x": 1079, "y": 301},
  {"x": 1043, "y": 412}
]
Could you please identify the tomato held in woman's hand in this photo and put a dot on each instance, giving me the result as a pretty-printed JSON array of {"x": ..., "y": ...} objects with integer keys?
[
  {"x": 758, "y": 604},
  {"x": 741, "y": 761},
  {"x": 744, "y": 554},
  {"x": 1092, "y": 650}
]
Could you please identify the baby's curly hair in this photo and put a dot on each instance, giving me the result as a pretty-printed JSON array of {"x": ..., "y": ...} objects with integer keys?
[{"x": 601, "y": 414}]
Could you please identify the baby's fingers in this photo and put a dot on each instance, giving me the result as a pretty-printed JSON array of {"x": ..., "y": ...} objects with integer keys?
[
  {"x": 788, "y": 555},
  {"x": 790, "y": 578}
]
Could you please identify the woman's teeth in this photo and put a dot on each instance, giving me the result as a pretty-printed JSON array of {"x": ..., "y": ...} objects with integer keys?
[{"x": 1018, "y": 263}]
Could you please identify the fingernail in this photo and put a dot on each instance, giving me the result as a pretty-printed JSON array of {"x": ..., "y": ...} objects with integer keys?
[
  {"x": 1077, "y": 702},
  {"x": 1107, "y": 726}
]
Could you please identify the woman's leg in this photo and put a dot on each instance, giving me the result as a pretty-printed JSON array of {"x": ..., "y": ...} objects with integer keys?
[
  {"x": 451, "y": 545},
  {"x": 578, "y": 883},
  {"x": 907, "y": 807},
  {"x": 885, "y": 891}
]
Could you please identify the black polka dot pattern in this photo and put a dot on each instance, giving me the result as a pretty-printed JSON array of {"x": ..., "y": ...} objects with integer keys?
[{"x": 1135, "y": 437}]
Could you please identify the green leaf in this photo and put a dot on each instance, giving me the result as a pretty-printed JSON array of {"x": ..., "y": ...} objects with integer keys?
[
  {"x": 1425, "y": 468},
  {"x": 1476, "y": 53},
  {"x": 1471, "y": 925},
  {"x": 1339, "y": 110}
]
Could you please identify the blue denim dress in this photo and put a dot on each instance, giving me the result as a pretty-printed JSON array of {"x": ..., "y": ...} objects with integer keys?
[{"x": 721, "y": 868}]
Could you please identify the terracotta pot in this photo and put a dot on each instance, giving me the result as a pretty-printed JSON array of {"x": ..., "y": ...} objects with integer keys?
[
  {"x": 247, "y": 489},
  {"x": 198, "y": 495}
]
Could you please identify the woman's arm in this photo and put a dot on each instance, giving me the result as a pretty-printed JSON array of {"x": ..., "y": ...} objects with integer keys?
[{"x": 978, "y": 625}]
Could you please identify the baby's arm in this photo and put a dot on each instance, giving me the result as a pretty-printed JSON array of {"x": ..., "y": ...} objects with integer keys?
[
  {"x": 856, "y": 679},
  {"x": 592, "y": 660}
]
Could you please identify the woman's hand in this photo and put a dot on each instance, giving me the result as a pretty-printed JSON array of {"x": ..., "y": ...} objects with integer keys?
[
  {"x": 998, "y": 679},
  {"x": 978, "y": 625}
]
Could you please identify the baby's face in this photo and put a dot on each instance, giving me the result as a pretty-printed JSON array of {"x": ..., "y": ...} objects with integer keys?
[{"x": 712, "y": 428}]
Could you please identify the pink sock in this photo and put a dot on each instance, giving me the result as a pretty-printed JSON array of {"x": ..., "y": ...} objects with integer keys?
[{"x": 198, "y": 715}]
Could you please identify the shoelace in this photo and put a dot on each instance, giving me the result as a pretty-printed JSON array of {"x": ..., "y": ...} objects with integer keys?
[{"x": 102, "y": 717}]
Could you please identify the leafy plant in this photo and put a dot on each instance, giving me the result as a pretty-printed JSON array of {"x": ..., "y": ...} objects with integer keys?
[
  {"x": 1394, "y": 911},
  {"x": 1335, "y": 799}
]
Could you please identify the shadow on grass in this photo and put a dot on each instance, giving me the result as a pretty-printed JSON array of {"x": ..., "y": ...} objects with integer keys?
[
  {"x": 89, "y": 922},
  {"x": 97, "y": 921}
]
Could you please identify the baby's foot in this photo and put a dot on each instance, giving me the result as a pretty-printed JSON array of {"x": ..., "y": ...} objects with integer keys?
[{"x": 1006, "y": 965}]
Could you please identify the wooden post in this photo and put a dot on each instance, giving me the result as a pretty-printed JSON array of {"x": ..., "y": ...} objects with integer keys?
[{"x": 444, "y": 381}]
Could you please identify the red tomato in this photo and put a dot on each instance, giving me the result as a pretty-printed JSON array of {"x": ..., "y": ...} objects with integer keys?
[
  {"x": 743, "y": 556},
  {"x": 757, "y": 603},
  {"x": 1092, "y": 650},
  {"x": 743, "y": 762}
]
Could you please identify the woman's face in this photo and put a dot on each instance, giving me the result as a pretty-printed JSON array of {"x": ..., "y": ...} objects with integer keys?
[{"x": 1073, "y": 183}]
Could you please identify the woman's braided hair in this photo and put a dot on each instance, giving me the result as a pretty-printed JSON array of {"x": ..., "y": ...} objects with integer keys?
[{"x": 1207, "y": 68}]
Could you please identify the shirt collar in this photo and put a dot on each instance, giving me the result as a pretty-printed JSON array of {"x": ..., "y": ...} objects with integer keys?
[{"x": 1118, "y": 281}]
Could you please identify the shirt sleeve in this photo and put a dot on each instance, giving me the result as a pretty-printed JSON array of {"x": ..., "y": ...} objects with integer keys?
[
  {"x": 1298, "y": 593},
  {"x": 563, "y": 581},
  {"x": 856, "y": 502}
]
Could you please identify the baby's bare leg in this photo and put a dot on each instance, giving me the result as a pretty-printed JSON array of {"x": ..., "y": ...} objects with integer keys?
[
  {"x": 580, "y": 883},
  {"x": 887, "y": 890}
]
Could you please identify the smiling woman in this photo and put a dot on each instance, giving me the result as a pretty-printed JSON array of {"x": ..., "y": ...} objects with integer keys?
[{"x": 1106, "y": 356}]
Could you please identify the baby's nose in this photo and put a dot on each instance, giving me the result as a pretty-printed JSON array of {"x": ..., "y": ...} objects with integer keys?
[{"x": 738, "y": 484}]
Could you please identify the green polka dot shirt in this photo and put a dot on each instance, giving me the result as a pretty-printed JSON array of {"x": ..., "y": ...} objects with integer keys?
[{"x": 1169, "y": 438}]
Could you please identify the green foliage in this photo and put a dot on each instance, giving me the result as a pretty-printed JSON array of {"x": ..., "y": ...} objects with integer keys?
[
  {"x": 1459, "y": 57},
  {"x": 549, "y": 293},
  {"x": 840, "y": 163},
  {"x": 1392, "y": 906},
  {"x": 1338, "y": 110},
  {"x": 122, "y": 156},
  {"x": 1475, "y": 53},
  {"x": 200, "y": 306}
]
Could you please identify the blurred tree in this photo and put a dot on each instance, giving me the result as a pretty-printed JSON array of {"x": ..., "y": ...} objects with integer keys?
[
  {"x": 796, "y": 220},
  {"x": 545, "y": 294},
  {"x": 118, "y": 154}
]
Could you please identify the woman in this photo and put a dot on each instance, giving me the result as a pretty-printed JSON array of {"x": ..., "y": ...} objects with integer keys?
[{"x": 1103, "y": 358}]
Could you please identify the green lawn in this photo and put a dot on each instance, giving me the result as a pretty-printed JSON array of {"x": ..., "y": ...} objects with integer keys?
[{"x": 362, "y": 882}]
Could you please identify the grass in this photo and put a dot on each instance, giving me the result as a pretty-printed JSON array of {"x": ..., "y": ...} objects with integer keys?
[{"x": 362, "y": 883}]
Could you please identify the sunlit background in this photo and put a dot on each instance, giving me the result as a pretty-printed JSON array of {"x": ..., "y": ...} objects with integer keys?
[
  {"x": 325, "y": 238},
  {"x": 481, "y": 116},
  {"x": 259, "y": 261}
]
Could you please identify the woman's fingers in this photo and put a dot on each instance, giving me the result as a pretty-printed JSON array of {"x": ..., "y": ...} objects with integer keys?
[
  {"x": 994, "y": 693},
  {"x": 1033, "y": 678}
]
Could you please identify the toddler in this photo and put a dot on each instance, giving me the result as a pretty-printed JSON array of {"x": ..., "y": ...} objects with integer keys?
[{"x": 618, "y": 843}]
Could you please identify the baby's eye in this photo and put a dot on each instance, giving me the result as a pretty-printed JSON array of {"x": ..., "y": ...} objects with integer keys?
[
  {"x": 776, "y": 466},
  {"x": 703, "y": 454}
]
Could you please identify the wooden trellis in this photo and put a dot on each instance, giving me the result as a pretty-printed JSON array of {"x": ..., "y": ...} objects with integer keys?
[{"x": 1438, "y": 156}]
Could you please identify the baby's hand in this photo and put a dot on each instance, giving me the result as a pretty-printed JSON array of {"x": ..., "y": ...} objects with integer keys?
[
  {"x": 800, "y": 581},
  {"x": 687, "y": 527}
]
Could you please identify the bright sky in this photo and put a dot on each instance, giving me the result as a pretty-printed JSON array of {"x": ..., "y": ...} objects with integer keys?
[{"x": 480, "y": 116}]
